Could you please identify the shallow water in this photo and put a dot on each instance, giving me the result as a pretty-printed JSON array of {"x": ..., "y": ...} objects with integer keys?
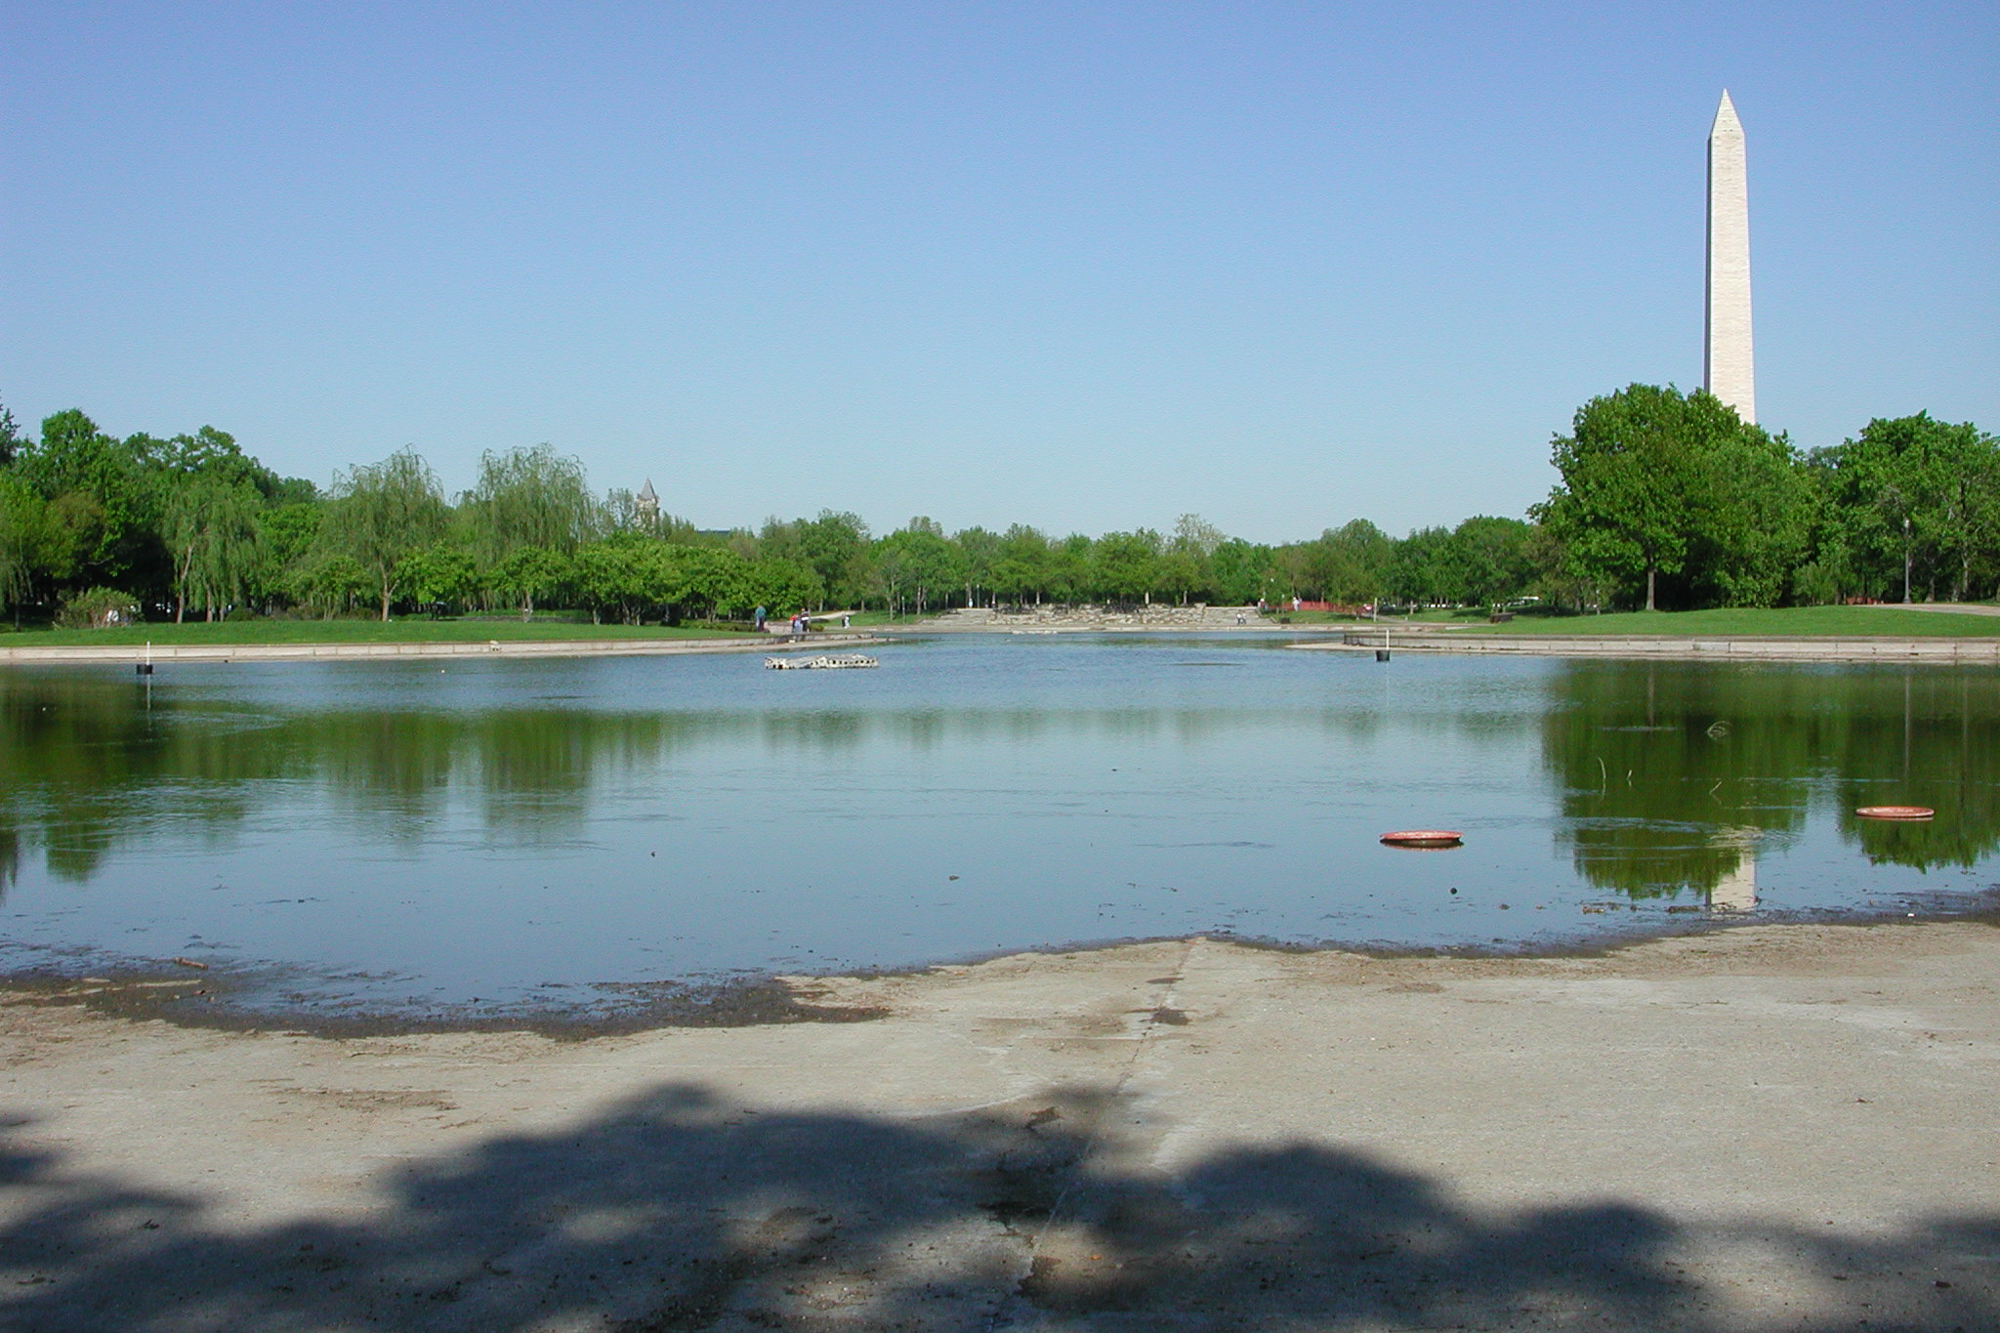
[{"x": 396, "y": 836}]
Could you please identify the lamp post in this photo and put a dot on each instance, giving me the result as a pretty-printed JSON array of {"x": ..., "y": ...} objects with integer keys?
[{"x": 1906, "y": 560}]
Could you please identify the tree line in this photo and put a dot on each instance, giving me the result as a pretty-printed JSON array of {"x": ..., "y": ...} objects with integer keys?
[{"x": 1666, "y": 500}]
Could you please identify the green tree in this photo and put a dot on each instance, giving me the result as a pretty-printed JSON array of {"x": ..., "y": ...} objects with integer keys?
[
  {"x": 1022, "y": 567},
  {"x": 978, "y": 554},
  {"x": 529, "y": 499},
  {"x": 1187, "y": 563},
  {"x": 609, "y": 576},
  {"x": 781, "y": 585},
  {"x": 1071, "y": 562},
  {"x": 1491, "y": 556},
  {"x": 1238, "y": 570},
  {"x": 1642, "y": 472},
  {"x": 103, "y": 506},
  {"x": 1753, "y": 532},
  {"x": 10, "y": 436},
  {"x": 1349, "y": 564},
  {"x": 531, "y": 574},
  {"x": 916, "y": 562},
  {"x": 834, "y": 546},
  {"x": 1126, "y": 565},
  {"x": 287, "y": 531},
  {"x": 329, "y": 582},
  {"x": 380, "y": 514},
  {"x": 1423, "y": 568},
  {"x": 1909, "y": 503},
  {"x": 20, "y": 541},
  {"x": 211, "y": 532},
  {"x": 439, "y": 576}
]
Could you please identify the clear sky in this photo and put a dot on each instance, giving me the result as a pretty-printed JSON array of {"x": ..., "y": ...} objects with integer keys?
[{"x": 1085, "y": 265}]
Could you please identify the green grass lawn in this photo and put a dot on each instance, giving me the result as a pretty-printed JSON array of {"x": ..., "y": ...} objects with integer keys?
[
  {"x": 1815, "y": 621},
  {"x": 413, "y": 630}
]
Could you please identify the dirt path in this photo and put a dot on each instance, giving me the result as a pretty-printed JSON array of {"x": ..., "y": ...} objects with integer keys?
[{"x": 1778, "y": 1127}]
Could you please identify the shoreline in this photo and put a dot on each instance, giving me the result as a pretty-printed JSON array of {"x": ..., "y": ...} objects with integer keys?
[
  {"x": 1764, "y": 1129},
  {"x": 1744, "y": 648},
  {"x": 203, "y": 997},
  {"x": 130, "y": 654}
]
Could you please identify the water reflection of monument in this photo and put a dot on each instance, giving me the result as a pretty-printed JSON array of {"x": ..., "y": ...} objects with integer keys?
[{"x": 1736, "y": 890}]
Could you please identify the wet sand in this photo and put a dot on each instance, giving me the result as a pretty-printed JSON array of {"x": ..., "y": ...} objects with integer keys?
[{"x": 1771, "y": 1127}]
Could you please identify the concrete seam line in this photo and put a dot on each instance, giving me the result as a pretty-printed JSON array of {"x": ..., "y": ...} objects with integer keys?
[{"x": 1091, "y": 1140}]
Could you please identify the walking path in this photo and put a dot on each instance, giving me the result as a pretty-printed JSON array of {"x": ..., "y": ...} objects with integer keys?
[
  {"x": 324, "y": 652},
  {"x": 1955, "y": 608},
  {"x": 1769, "y": 1128}
]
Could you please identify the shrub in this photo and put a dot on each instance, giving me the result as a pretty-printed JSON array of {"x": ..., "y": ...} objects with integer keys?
[{"x": 97, "y": 608}]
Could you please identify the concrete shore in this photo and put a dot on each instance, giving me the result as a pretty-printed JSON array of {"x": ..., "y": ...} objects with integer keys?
[
  {"x": 126, "y": 654},
  {"x": 1766, "y": 1128},
  {"x": 1703, "y": 648}
]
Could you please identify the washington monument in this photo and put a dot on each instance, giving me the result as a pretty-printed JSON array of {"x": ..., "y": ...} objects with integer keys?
[{"x": 1727, "y": 369}]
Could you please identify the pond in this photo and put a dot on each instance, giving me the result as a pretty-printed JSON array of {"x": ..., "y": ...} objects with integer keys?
[{"x": 516, "y": 835}]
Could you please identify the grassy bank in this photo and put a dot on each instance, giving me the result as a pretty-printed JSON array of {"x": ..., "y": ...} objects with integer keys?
[
  {"x": 348, "y": 631},
  {"x": 1746, "y": 622}
]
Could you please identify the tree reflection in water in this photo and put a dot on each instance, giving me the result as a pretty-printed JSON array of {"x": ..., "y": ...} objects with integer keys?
[
  {"x": 1665, "y": 777},
  {"x": 1672, "y": 774}
]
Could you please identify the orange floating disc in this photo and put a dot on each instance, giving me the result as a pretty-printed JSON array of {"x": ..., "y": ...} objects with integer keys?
[
  {"x": 1911, "y": 812},
  {"x": 1423, "y": 837}
]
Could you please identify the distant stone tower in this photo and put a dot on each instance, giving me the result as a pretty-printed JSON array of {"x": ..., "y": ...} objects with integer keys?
[
  {"x": 1728, "y": 369},
  {"x": 646, "y": 505}
]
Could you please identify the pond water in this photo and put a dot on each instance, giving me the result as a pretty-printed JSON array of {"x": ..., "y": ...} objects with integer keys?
[{"x": 507, "y": 835}]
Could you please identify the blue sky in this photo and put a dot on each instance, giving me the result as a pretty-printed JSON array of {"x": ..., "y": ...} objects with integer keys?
[{"x": 1085, "y": 265}]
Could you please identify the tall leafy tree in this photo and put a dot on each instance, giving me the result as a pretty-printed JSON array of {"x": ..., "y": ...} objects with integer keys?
[
  {"x": 20, "y": 541},
  {"x": 1239, "y": 570},
  {"x": 834, "y": 546},
  {"x": 529, "y": 499},
  {"x": 10, "y": 436},
  {"x": 1349, "y": 564},
  {"x": 1126, "y": 565},
  {"x": 978, "y": 553},
  {"x": 1424, "y": 568},
  {"x": 439, "y": 576},
  {"x": 212, "y": 536},
  {"x": 531, "y": 574},
  {"x": 1022, "y": 567},
  {"x": 916, "y": 562},
  {"x": 1642, "y": 470},
  {"x": 103, "y": 506},
  {"x": 380, "y": 514},
  {"x": 1492, "y": 559},
  {"x": 1913, "y": 503}
]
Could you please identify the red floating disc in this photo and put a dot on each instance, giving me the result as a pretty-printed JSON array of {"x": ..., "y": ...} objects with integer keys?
[
  {"x": 1910, "y": 812},
  {"x": 1423, "y": 837}
]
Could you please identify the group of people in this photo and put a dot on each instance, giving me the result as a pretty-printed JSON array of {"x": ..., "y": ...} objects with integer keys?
[{"x": 798, "y": 626}]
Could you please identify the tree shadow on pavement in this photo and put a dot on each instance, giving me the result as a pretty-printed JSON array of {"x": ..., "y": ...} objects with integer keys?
[{"x": 678, "y": 1211}]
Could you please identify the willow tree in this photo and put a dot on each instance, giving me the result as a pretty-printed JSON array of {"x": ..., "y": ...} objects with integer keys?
[
  {"x": 20, "y": 535},
  {"x": 531, "y": 499},
  {"x": 211, "y": 532},
  {"x": 381, "y": 514}
]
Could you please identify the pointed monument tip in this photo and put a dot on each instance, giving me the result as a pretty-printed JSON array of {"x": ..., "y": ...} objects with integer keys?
[{"x": 1725, "y": 114}]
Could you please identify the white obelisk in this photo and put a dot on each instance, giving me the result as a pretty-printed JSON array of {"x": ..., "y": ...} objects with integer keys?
[{"x": 1728, "y": 369}]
